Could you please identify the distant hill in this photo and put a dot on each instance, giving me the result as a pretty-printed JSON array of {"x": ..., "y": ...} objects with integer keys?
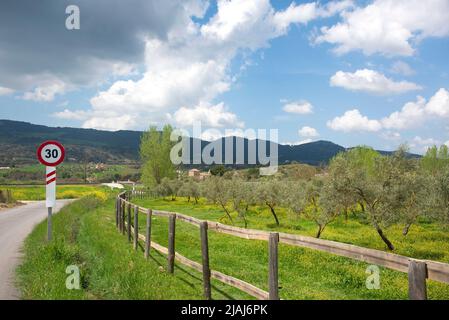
[{"x": 19, "y": 141}]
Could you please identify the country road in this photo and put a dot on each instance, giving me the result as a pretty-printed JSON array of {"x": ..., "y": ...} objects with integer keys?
[{"x": 15, "y": 225}]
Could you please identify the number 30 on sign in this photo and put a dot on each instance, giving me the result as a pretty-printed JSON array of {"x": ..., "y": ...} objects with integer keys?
[{"x": 51, "y": 154}]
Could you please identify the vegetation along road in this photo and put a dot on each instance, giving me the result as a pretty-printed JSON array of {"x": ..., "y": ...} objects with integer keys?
[{"x": 15, "y": 225}]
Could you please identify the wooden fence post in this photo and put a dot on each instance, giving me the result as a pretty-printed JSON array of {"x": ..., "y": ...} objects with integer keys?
[
  {"x": 148, "y": 234},
  {"x": 129, "y": 222},
  {"x": 417, "y": 274},
  {"x": 117, "y": 205},
  {"x": 136, "y": 227},
  {"x": 171, "y": 243},
  {"x": 205, "y": 255},
  {"x": 123, "y": 216},
  {"x": 273, "y": 279}
]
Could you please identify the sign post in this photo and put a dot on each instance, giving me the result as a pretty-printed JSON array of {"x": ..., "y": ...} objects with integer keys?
[{"x": 50, "y": 154}]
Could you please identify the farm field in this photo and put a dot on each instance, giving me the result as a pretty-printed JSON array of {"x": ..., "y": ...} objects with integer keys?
[
  {"x": 304, "y": 273},
  {"x": 70, "y": 173},
  {"x": 33, "y": 193}
]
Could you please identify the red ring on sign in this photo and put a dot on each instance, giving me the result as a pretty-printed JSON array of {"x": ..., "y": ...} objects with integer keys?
[{"x": 45, "y": 163}]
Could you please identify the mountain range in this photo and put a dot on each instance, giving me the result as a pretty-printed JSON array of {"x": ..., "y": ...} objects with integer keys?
[{"x": 19, "y": 141}]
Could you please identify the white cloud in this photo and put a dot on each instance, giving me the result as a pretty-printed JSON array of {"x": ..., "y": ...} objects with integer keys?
[
  {"x": 46, "y": 92},
  {"x": 439, "y": 104},
  {"x": 304, "y": 13},
  {"x": 400, "y": 67},
  {"x": 371, "y": 81},
  {"x": 308, "y": 132},
  {"x": 420, "y": 145},
  {"x": 389, "y": 27},
  {"x": 120, "y": 122},
  {"x": 190, "y": 69},
  {"x": 71, "y": 115},
  {"x": 5, "y": 91},
  {"x": 301, "y": 107},
  {"x": 410, "y": 116},
  {"x": 215, "y": 116},
  {"x": 298, "y": 142},
  {"x": 353, "y": 120}
]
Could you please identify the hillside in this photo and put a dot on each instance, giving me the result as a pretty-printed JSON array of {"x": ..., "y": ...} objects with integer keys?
[{"x": 19, "y": 141}]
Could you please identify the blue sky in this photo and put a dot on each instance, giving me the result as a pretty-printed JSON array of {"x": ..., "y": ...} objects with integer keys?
[{"x": 352, "y": 72}]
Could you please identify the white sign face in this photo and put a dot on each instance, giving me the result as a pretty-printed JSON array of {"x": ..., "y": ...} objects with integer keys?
[
  {"x": 50, "y": 190},
  {"x": 51, "y": 154}
]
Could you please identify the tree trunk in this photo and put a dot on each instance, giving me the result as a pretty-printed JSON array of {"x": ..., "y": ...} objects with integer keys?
[
  {"x": 188, "y": 199},
  {"x": 320, "y": 231},
  {"x": 196, "y": 200},
  {"x": 227, "y": 212},
  {"x": 274, "y": 215},
  {"x": 384, "y": 237},
  {"x": 406, "y": 229}
]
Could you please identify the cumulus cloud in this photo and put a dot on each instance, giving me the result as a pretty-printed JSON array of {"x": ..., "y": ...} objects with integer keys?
[
  {"x": 388, "y": 27},
  {"x": 46, "y": 92},
  {"x": 304, "y": 13},
  {"x": 71, "y": 115},
  {"x": 353, "y": 120},
  {"x": 308, "y": 132},
  {"x": 215, "y": 116},
  {"x": 190, "y": 68},
  {"x": 411, "y": 115},
  {"x": 371, "y": 81},
  {"x": 298, "y": 142},
  {"x": 420, "y": 145},
  {"x": 301, "y": 107}
]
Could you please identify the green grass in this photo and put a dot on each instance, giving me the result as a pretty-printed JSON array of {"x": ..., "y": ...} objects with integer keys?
[
  {"x": 85, "y": 235},
  {"x": 424, "y": 241},
  {"x": 62, "y": 191},
  {"x": 304, "y": 273}
]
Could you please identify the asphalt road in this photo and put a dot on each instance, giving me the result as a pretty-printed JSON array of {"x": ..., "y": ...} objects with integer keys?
[{"x": 15, "y": 225}]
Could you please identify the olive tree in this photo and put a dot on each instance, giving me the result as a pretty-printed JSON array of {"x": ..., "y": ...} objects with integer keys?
[
  {"x": 325, "y": 205},
  {"x": 241, "y": 195},
  {"x": 190, "y": 189},
  {"x": 271, "y": 193},
  {"x": 373, "y": 179},
  {"x": 295, "y": 197},
  {"x": 439, "y": 196},
  {"x": 216, "y": 190}
]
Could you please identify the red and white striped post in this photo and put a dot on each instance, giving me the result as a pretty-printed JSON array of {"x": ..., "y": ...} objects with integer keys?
[{"x": 50, "y": 154}]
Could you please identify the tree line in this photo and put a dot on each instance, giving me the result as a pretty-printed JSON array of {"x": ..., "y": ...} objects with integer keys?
[{"x": 384, "y": 189}]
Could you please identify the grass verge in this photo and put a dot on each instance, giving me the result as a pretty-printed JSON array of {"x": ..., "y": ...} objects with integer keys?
[{"x": 85, "y": 236}]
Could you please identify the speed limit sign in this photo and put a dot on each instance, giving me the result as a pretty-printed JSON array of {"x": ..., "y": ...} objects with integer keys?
[{"x": 50, "y": 154}]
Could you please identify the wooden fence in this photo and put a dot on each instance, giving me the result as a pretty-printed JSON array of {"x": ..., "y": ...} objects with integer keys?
[{"x": 418, "y": 270}]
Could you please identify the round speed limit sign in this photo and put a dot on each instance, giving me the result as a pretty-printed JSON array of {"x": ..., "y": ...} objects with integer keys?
[{"x": 51, "y": 153}]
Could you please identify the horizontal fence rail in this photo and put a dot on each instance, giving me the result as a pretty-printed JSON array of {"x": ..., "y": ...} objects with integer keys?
[{"x": 416, "y": 268}]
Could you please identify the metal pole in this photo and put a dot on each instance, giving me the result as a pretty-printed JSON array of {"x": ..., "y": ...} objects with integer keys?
[{"x": 49, "y": 226}]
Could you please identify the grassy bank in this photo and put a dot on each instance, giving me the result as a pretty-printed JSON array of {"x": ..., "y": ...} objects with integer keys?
[
  {"x": 304, "y": 273},
  {"x": 85, "y": 235}
]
